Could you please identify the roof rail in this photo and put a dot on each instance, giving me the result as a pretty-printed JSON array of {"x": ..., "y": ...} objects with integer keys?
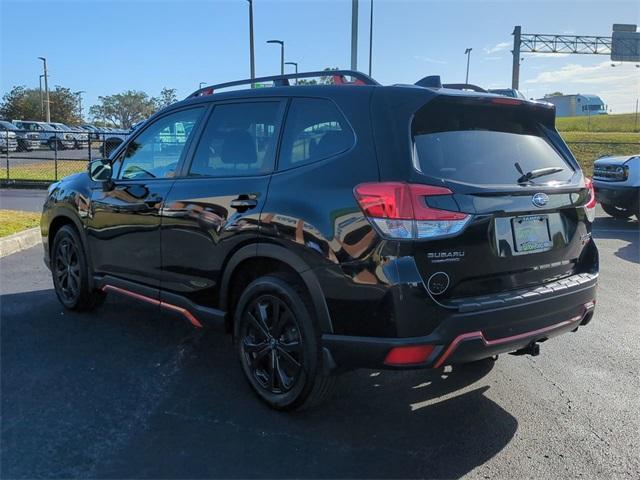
[
  {"x": 283, "y": 80},
  {"x": 464, "y": 86}
]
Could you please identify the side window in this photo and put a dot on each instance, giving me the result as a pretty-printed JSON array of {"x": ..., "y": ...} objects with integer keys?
[
  {"x": 239, "y": 140},
  {"x": 156, "y": 152},
  {"x": 314, "y": 130}
]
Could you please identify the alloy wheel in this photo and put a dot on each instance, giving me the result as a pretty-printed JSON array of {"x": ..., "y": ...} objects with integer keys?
[
  {"x": 67, "y": 269},
  {"x": 272, "y": 344}
]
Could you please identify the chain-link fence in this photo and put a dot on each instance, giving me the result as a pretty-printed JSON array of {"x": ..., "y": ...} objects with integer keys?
[{"x": 49, "y": 155}]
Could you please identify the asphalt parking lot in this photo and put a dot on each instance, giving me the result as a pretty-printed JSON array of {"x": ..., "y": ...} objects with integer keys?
[{"x": 132, "y": 392}]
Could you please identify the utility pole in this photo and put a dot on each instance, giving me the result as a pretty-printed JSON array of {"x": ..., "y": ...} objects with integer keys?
[
  {"x": 281, "y": 43},
  {"x": 467, "y": 52},
  {"x": 79, "y": 95},
  {"x": 370, "y": 37},
  {"x": 252, "y": 58},
  {"x": 41, "y": 100},
  {"x": 515, "y": 70},
  {"x": 354, "y": 34},
  {"x": 46, "y": 91}
]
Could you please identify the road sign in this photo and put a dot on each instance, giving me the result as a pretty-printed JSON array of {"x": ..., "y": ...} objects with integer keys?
[{"x": 625, "y": 43}]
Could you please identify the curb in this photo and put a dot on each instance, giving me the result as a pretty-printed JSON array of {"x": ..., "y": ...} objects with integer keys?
[
  {"x": 20, "y": 241},
  {"x": 38, "y": 184}
]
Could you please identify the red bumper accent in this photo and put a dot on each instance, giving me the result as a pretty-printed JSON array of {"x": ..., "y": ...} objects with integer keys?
[{"x": 499, "y": 341}]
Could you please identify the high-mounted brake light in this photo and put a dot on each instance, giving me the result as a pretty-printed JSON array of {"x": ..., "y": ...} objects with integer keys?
[
  {"x": 506, "y": 101},
  {"x": 590, "y": 207},
  {"x": 400, "y": 210}
]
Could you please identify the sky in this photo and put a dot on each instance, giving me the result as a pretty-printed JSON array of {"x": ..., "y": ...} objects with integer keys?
[{"x": 106, "y": 47}]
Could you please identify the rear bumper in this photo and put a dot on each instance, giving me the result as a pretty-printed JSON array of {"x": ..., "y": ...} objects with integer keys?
[
  {"x": 474, "y": 335},
  {"x": 618, "y": 195}
]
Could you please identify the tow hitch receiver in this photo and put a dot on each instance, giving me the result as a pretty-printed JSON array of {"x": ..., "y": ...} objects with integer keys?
[{"x": 532, "y": 349}]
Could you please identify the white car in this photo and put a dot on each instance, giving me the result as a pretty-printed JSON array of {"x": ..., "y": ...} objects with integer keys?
[
  {"x": 49, "y": 135},
  {"x": 617, "y": 184}
]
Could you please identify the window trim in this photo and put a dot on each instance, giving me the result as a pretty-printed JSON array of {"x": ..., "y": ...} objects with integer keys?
[
  {"x": 283, "y": 104},
  {"x": 330, "y": 157},
  {"x": 184, "y": 155}
]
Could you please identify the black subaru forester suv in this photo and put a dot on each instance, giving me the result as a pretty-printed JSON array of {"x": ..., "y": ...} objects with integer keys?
[{"x": 330, "y": 227}]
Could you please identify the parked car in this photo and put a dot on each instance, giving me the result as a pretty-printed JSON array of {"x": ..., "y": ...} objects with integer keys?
[
  {"x": 8, "y": 140},
  {"x": 331, "y": 227},
  {"x": 48, "y": 135},
  {"x": 26, "y": 141},
  {"x": 80, "y": 137},
  {"x": 617, "y": 185}
]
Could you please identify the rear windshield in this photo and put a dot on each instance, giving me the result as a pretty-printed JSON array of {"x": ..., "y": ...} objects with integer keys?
[{"x": 483, "y": 144}]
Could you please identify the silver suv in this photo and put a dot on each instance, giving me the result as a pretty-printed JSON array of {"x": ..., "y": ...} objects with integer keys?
[{"x": 47, "y": 134}]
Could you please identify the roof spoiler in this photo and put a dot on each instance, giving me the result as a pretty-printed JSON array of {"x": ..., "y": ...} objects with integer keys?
[{"x": 433, "y": 81}]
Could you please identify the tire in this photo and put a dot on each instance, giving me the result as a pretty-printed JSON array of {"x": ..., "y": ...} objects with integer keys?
[
  {"x": 290, "y": 342},
  {"x": 70, "y": 272},
  {"x": 617, "y": 212}
]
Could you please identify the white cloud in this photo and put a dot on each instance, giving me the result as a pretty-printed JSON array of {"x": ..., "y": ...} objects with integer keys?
[
  {"x": 492, "y": 58},
  {"x": 422, "y": 58},
  {"x": 497, "y": 48},
  {"x": 544, "y": 55},
  {"x": 618, "y": 86}
]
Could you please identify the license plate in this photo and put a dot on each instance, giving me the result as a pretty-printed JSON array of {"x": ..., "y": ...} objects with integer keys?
[{"x": 531, "y": 233}]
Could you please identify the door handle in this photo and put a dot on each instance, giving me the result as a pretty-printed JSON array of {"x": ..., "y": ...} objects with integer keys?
[{"x": 243, "y": 203}]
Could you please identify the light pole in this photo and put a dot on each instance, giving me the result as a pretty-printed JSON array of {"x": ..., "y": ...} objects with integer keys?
[
  {"x": 41, "y": 99},
  {"x": 467, "y": 52},
  {"x": 252, "y": 58},
  {"x": 295, "y": 64},
  {"x": 79, "y": 95},
  {"x": 354, "y": 34},
  {"x": 46, "y": 90},
  {"x": 281, "y": 54},
  {"x": 370, "y": 37}
]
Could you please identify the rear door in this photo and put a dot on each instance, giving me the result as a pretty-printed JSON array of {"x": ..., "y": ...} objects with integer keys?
[
  {"x": 508, "y": 168},
  {"x": 215, "y": 206}
]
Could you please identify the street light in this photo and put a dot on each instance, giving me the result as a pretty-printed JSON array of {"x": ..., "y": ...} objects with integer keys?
[
  {"x": 281, "y": 54},
  {"x": 370, "y": 37},
  {"x": 467, "y": 52},
  {"x": 295, "y": 64},
  {"x": 79, "y": 95},
  {"x": 252, "y": 58},
  {"x": 46, "y": 89}
]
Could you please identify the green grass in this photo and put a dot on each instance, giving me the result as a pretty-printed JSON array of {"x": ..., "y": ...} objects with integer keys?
[
  {"x": 624, "y": 122},
  {"x": 13, "y": 221},
  {"x": 45, "y": 170}
]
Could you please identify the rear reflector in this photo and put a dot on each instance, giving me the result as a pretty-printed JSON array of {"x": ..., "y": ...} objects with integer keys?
[
  {"x": 408, "y": 355},
  {"x": 400, "y": 210}
]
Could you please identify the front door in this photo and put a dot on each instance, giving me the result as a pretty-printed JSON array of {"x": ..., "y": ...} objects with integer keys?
[
  {"x": 216, "y": 205},
  {"x": 124, "y": 224}
]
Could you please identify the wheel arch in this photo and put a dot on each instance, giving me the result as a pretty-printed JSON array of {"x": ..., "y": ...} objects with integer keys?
[{"x": 275, "y": 255}]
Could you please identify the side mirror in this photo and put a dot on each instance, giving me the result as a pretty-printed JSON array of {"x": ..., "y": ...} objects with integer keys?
[{"x": 100, "y": 170}]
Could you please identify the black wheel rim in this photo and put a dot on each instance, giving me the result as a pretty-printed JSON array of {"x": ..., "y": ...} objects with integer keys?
[
  {"x": 67, "y": 269},
  {"x": 272, "y": 344}
]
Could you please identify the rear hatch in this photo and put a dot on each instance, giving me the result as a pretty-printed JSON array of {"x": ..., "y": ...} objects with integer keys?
[{"x": 508, "y": 170}]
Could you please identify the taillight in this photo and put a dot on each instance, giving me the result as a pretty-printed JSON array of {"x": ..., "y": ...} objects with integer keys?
[
  {"x": 400, "y": 210},
  {"x": 590, "y": 207}
]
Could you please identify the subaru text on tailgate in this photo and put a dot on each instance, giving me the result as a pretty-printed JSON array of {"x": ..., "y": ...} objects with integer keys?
[{"x": 331, "y": 227}]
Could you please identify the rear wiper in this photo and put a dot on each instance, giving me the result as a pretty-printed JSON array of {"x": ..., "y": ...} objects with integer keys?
[{"x": 539, "y": 172}]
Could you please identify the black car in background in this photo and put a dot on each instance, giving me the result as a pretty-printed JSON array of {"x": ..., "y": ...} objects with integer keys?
[{"x": 330, "y": 227}]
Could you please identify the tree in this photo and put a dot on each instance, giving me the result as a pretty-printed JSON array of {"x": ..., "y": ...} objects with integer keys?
[
  {"x": 324, "y": 80},
  {"x": 25, "y": 104},
  {"x": 166, "y": 98},
  {"x": 554, "y": 94},
  {"x": 123, "y": 109}
]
